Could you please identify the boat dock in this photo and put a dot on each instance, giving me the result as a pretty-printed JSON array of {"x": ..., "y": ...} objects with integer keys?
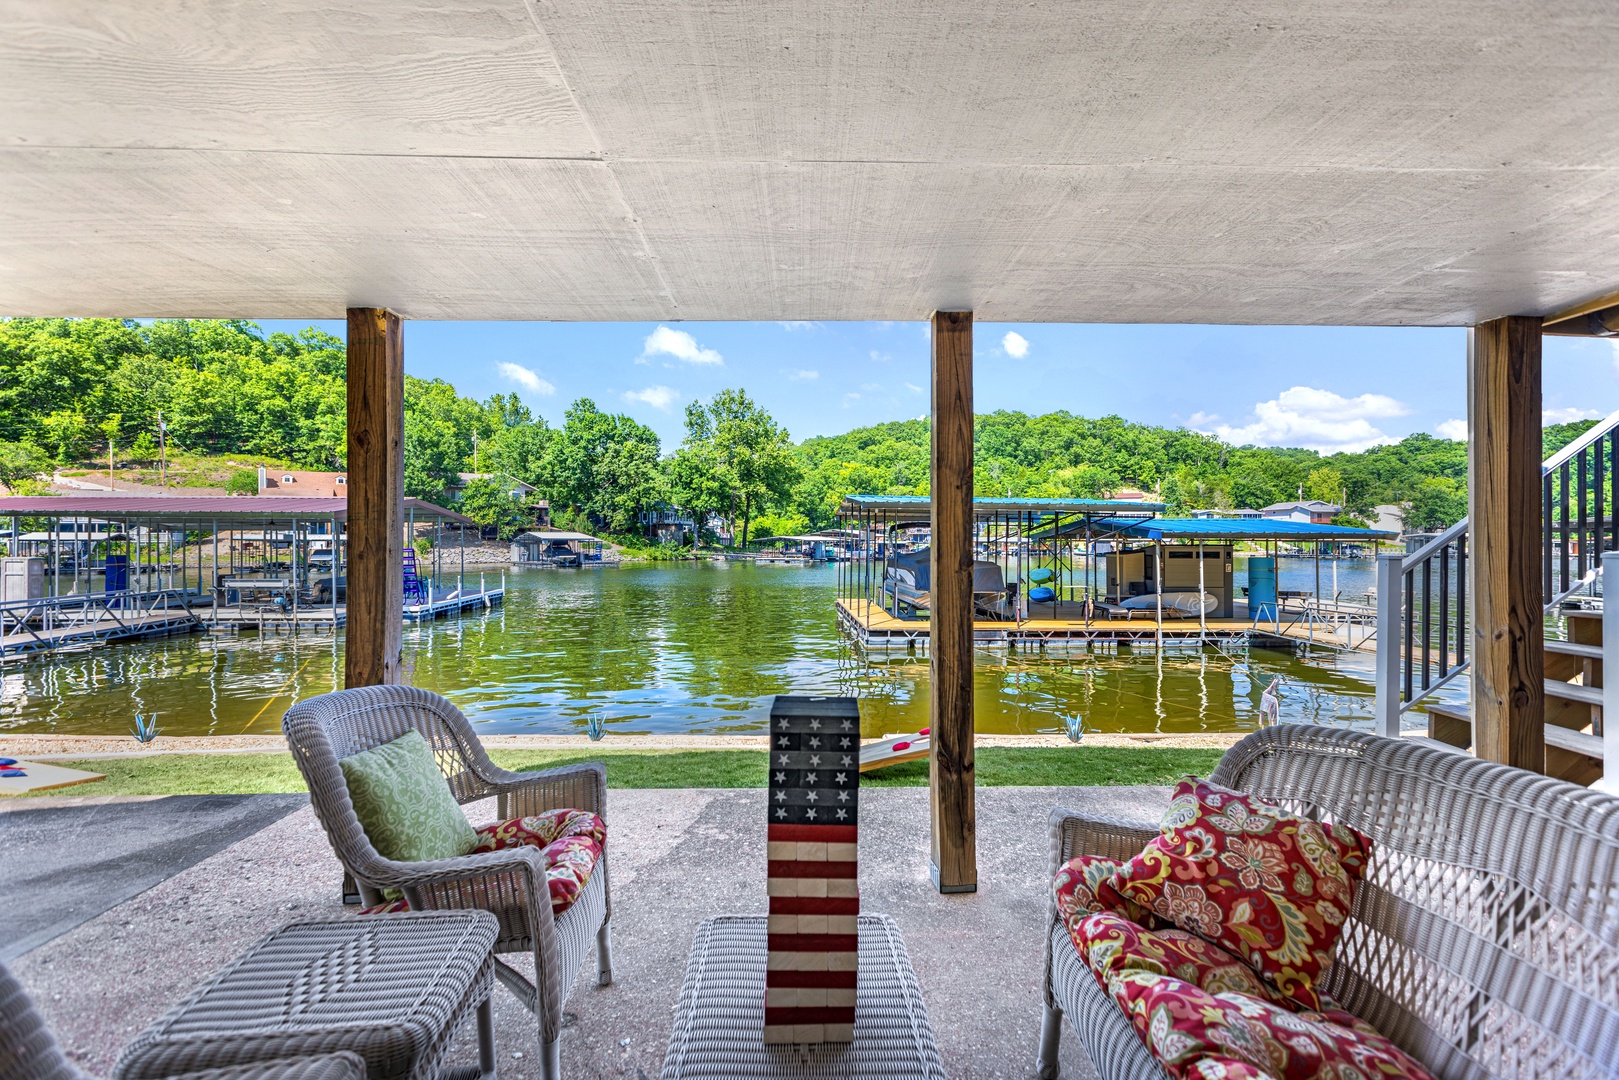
[
  {"x": 76, "y": 623},
  {"x": 877, "y": 630}
]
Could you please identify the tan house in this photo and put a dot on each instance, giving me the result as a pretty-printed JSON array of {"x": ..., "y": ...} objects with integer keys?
[{"x": 302, "y": 482}]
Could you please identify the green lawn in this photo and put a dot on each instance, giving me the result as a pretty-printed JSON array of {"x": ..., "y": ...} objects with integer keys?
[{"x": 237, "y": 774}]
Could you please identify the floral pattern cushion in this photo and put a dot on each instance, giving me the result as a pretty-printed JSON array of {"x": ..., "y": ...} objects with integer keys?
[
  {"x": 570, "y": 841},
  {"x": 1112, "y": 945},
  {"x": 1084, "y": 886},
  {"x": 1198, "y": 1035},
  {"x": 1265, "y": 885}
]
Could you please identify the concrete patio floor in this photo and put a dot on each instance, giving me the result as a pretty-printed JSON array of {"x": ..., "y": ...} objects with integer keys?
[{"x": 678, "y": 856}]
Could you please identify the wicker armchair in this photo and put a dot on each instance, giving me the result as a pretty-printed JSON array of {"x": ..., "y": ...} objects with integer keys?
[
  {"x": 1484, "y": 940},
  {"x": 509, "y": 883},
  {"x": 29, "y": 1051}
]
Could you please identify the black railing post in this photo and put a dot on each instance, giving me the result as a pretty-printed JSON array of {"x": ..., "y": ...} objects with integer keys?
[
  {"x": 1580, "y": 524},
  {"x": 1461, "y": 599},
  {"x": 1427, "y": 617},
  {"x": 1444, "y": 611},
  {"x": 1408, "y": 617},
  {"x": 1562, "y": 518},
  {"x": 1546, "y": 527}
]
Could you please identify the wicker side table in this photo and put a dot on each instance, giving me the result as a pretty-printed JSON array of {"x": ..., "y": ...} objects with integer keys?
[
  {"x": 719, "y": 1021},
  {"x": 391, "y": 988}
]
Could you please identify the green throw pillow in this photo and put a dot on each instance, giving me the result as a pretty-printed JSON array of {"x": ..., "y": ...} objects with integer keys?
[{"x": 403, "y": 803}]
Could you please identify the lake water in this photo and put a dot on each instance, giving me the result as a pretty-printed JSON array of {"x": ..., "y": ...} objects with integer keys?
[{"x": 679, "y": 648}]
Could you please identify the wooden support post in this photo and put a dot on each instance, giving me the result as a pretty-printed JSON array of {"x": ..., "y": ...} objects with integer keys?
[
  {"x": 950, "y": 621},
  {"x": 1504, "y": 511},
  {"x": 376, "y": 497}
]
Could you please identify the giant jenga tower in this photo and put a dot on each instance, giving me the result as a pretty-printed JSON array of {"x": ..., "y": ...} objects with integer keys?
[{"x": 814, "y": 887}]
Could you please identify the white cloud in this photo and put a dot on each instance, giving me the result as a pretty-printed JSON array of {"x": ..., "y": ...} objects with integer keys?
[
  {"x": 801, "y": 375},
  {"x": 659, "y": 397},
  {"x": 799, "y": 325},
  {"x": 527, "y": 378},
  {"x": 1200, "y": 420},
  {"x": 678, "y": 344},
  {"x": 1015, "y": 344},
  {"x": 915, "y": 389},
  {"x": 871, "y": 387},
  {"x": 1316, "y": 420},
  {"x": 1452, "y": 429},
  {"x": 880, "y": 357},
  {"x": 850, "y": 398},
  {"x": 1564, "y": 416}
]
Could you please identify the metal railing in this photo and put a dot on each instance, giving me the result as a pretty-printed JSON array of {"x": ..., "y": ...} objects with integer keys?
[
  {"x": 48, "y": 621},
  {"x": 1422, "y": 608}
]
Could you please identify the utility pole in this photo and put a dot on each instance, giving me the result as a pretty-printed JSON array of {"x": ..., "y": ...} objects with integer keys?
[{"x": 163, "y": 451}]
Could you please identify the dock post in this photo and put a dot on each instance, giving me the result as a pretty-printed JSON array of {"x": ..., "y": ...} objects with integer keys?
[{"x": 950, "y": 631}]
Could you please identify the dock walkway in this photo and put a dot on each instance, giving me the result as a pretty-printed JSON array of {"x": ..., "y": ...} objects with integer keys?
[
  {"x": 876, "y": 629},
  {"x": 83, "y": 620}
]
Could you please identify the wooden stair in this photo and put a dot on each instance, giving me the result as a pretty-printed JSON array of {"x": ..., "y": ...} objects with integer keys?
[{"x": 1573, "y": 708}]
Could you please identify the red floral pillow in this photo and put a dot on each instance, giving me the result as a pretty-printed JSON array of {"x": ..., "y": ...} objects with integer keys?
[
  {"x": 1266, "y": 885},
  {"x": 1198, "y": 1035},
  {"x": 1084, "y": 886}
]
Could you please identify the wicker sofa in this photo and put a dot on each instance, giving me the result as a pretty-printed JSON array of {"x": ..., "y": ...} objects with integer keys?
[
  {"x": 510, "y": 883},
  {"x": 1484, "y": 940}
]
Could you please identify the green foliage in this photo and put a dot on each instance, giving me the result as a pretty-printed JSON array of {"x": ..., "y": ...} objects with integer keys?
[
  {"x": 602, "y": 464},
  {"x": 242, "y": 482},
  {"x": 491, "y": 506},
  {"x": 22, "y": 466},
  {"x": 221, "y": 385},
  {"x": 1435, "y": 503},
  {"x": 736, "y": 461},
  {"x": 779, "y": 524}
]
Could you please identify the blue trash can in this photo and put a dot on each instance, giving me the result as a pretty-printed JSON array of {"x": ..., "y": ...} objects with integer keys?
[{"x": 1262, "y": 588}]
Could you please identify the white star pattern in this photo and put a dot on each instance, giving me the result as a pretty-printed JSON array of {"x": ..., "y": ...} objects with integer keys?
[
  {"x": 842, "y": 814},
  {"x": 781, "y": 813},
  {"x": 781, "y": 759},
  {"x": 782, "y": 742},
  {"x": 843, "y": 796},
  {"x": 813, "y": 797},
  {"x": 842, "y": 778},
  {"x": 810, "y": 813},
  {"x": 846, "y": 725},
  {"x": 815, "y": 725},
  {"x": 809, "y": 778},
  {"x": 784, "y": 724},
  {"x": 847, "y": 761},
  {"x": 843, "y": 744},
  {"x": 815, "y": 744},
  {"x": 815, "y": 760},
  {"x": 781, "y": 796},
  {"x": 781, "y": 778}
]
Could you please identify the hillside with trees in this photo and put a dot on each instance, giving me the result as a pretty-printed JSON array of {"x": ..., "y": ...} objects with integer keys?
[{"x": 94, "y": 392}]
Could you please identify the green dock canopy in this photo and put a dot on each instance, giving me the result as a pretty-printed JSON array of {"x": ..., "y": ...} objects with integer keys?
[{"x": 1221, "y": 529}]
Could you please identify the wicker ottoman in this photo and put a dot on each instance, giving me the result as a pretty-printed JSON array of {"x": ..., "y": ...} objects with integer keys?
[
  {"x": 719, "y": 1022},
  {"x": 391, "y": 988}
]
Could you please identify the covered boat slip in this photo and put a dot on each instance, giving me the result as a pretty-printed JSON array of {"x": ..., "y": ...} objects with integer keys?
[
  {"x": 1078, "y": 573},
  {"x": 104, "y": 568}
]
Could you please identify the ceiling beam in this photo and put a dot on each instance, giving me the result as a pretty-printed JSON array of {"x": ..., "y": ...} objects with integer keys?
[{"x": 1598, "y": 317}]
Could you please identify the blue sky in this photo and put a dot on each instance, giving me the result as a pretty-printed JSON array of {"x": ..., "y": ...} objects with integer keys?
[{"x": 1323, "y": 387}]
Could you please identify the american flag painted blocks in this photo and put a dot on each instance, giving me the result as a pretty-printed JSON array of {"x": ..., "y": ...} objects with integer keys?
[{"x": 814, "y": 888}]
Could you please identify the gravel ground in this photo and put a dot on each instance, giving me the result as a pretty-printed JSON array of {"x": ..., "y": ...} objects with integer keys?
[{"x": 677, "y": 857}]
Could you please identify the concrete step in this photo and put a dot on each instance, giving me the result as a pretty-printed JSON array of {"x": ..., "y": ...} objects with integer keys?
[{"x": 1574, "y": 648}]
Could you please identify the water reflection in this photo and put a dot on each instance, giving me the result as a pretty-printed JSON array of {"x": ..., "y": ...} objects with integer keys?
[{"x": 672, "y": 649}]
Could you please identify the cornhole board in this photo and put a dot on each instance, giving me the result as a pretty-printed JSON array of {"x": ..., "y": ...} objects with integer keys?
[
  {"x": 813, "y": 833},
  {"x": 894, "y": 750},
  {"x": 42, "y": 777}
]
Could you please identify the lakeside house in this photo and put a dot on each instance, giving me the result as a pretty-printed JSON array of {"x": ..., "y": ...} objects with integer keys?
[{"x": 1313, "y": 511}]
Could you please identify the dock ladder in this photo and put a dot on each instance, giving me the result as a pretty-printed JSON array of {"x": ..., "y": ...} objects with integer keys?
[{"x": 413, "y": 584}]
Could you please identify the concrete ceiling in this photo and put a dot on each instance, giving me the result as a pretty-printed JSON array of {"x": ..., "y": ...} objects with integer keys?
[{"x": 1429, "y": 162}]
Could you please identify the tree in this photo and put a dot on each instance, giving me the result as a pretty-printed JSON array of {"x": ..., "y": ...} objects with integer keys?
[
  {"x": 601, "y": 463},
  {"x": 22, "y": 466},
  {"x": 1436, "y": 503},
  {"x": 1325, "y": 484},
  {"x": 67, "y": 432},
  {"x": 492, "y": 506},
  {"x": 751, "y": 454},
  {"x": 242, "y": 482}
]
